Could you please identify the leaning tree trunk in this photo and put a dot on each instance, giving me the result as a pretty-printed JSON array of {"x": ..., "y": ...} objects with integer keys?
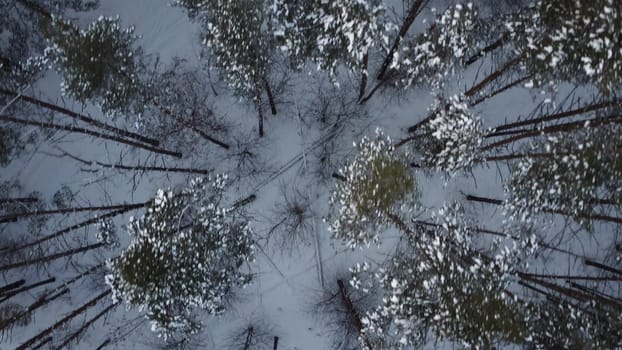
[
  {"x": 79, "y": 225},
  {"x": 89, "y": 132},
  {"x": 258, "y": 103},
  {"x": 85, "y": 326},
  {"x": 551, "y": 117},
  {"x": 475, "y": 88},
  {"x": 352, "y": 312},
  {"x": 587, "y": 216},
  {"x": 408, "y": 21},
  {"x": 18, "y": 216},
  {"x": 52, "y": 257},
  {"x": 6, "y": 296},
  {"x": 63, "y": 321},
  {"x": 82, "y": 117},
  {"x": 12, "y": 286},
  {"x": 566, "y": 127},
  {"x": 270, "y": 96}
]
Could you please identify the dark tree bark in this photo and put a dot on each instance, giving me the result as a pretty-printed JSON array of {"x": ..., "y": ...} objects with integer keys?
[
  {"x": 415, "y": 9},
  {"x": 11, "y": 286},
  {"x": 79, "y": 225},
  {"x": 259, "y": 111},
  {"x": 270, "y": 96},
  {"x": 139, "y": 167},
  {"x": 85, "y": 326},
  {"x": 52, "y": 257},
  {"x": 249, "y": 337},
  {"x": 590, "y": 216},
  {"x": 18, "y": 216},
  {"x": 492, "y": 77},
  {"x": 42, "y": 343},
  {"x": 566, "y": 127},
  {"x": 192, "y": 127},
  {"x": 364, "y": 75},
  {"x": 352, "y": 312},
  {"x": 10, "y": 294},
  {"x": 36, "y": 8},
  {"x": 84, "y": 131},
  {"x": 42, "y": 301},
  {"x": 82, "y": 117},
  {"x": 495, "y": 45},
  {"x": 499, "y": 90},
  {"x": 64, "y": 320},
  {"x": 275, "y": 345},
  {"x": 103, "y": 344},
  {"x": 547, "y": 118},
  {"x": 25, "y": 200},
  {"x": 604, "y": 267},
  {"x": 48, "y": 297}
]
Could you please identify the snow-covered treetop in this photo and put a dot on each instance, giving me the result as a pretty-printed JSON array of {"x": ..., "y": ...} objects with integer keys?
[
  {"x": 378, "y": 185},
  {"x": 433, "y": 55},
  {"x": 186, "y": 253},
  {"x": 329, "y": 33},
  {"x": 572, "y": 174},
  {"x": 440, "y": 283},
  {"x": 450, "y": 141},
  {"x": 576, "y": 41},
  {"x": 99, "y": 63},
  {"x": 234, "y": 34}
]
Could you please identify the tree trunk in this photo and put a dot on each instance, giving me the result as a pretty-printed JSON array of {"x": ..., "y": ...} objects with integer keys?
[
  {"x": 18, "y": 216},
  {"x": 498, "y": 91},
  {"x": 11, "y": 286},
  {"x": 270, "y": 96},
  {"x": 364, "y": 74},
  {"x": 551, "y": 211},
  {"x": 573, "y": 277},
  {"x": 352, "y": 312},
  {"x": 84, "y": 131},
  {"x": 43, "y": 343},
  {"x": 19, "y": 200},
  {"x": 602, "y": 297},
  {"x": 275, "y": 345},
  {"x": 249, "y": 338},
  {"x": 259, "y": 110},
  {"x": 143, "y": 168},
  {"x": 42, "y": 301},
  {"x": 491, "y": 77},
  {"x": 103, "y": 344},
  {"x": 557, "y": 116},
  {"x": 52, "y": 257},
  {"x": 192, "y": 127},
  {"x": 408, "y": 21},
  {"x": 495, "y": 45},
  {"x": 82, "y": 117},
  {"x": 75, "y": 227},
  {"x": 64, "y": 320},
  {"x": 85, "y": 326},
  {"x": 567, "y": 127},
  {"x": 8, "y": 295},
  {"x": 604, "y": 267}
]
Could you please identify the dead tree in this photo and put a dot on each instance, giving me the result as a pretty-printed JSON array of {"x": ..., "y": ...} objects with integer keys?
[
  {"x": 63, "y": 321},
  {"x": 81, "y": 117},
  {"x": 52, "y": 257},
  {"x": 415, "y": 9},
  {"x": 89, "y": 132},
  {"x": 85, "y": 326},
  {"x": 79, "y": 225},
  {"x": 18, "y": 216},
  {"x": 6, "y": 296}
]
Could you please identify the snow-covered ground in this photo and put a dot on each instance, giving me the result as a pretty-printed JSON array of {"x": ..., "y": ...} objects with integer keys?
[{"x": 281, "y": 300}]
